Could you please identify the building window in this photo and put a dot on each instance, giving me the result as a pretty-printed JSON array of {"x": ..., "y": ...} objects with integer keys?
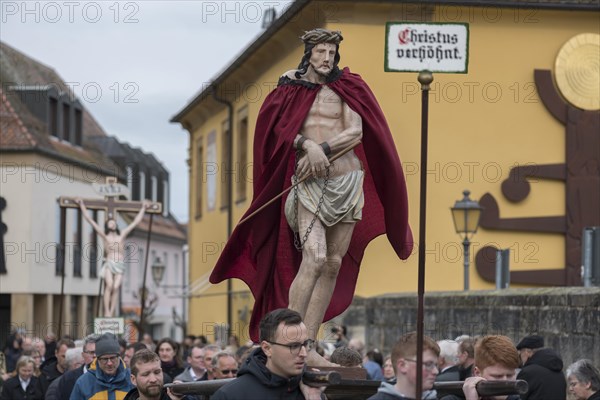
[
  {"x": 241, "y": 167},
  {"x": 154, "y": 185},
  {"x": 167, "y": 269},
  {"x": 53, "y": 117},
  {"x": 165, "y": 198},
  {"x": 142, "y": 185},
  {"x": 78, "y": 127},
  {"x": 66, "y": 122},
  {"x": 224, "y": 170},
  {"x": 199, "y": 178},
  {"x": 176, "y": 268},
  {"x": 78, "y": 243},
  {"x": 140, "y": 262},
  {"x": 62, "y": 238},
  {"x": 129, "y": 172},
  {"x": 75, "y": 300},
  {"x": 90, "y": 311}
]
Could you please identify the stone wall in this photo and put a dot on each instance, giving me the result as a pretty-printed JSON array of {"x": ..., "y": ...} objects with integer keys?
[{"x": 568, "y": 318}]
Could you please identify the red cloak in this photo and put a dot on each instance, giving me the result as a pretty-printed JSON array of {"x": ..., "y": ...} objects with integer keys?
[{"x": 261, "y": 251}]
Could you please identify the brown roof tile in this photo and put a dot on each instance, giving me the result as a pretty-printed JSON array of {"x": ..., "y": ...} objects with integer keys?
[
  {"x": 17, "y": 69},
  {"x": 12, "y": 130}
]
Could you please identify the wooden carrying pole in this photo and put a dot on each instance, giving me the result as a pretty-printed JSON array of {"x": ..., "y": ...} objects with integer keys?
[
  {"x": 268, "y": 203},
  {"x": 333, "y": 378},
  {"x": 485, "y": 388}
]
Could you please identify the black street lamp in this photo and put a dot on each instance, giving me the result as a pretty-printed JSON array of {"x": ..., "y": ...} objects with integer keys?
[{"x": 465, "y": 214}]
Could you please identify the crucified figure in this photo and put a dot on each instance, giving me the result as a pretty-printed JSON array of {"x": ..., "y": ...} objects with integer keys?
[
  {"x": 324, "y": 209},
  {"x": 113, "y": 264}
]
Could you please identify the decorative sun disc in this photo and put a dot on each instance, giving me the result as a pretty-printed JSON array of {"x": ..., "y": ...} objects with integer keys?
[{"x": 577, "y": 71}]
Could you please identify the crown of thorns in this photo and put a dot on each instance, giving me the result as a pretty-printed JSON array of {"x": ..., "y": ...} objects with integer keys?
[{"x": 319, "y": 35}]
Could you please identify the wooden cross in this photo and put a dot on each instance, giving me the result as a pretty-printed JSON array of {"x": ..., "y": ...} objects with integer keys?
[{"x": 111, "y": 205}]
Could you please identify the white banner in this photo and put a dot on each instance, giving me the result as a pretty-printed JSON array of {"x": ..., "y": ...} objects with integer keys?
[
  {"x": 115, "y": 326},
  {"x": 437, "y": 47}
]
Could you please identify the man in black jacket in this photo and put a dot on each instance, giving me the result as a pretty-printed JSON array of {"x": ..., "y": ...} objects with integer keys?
[
  {"x": 67, "y": 381},
  {"x": 147, "y": 376},
  {"x": 274, "y": 371},
  {"x": 542, "y": 369},
  {"x": 55, "y": 366}
]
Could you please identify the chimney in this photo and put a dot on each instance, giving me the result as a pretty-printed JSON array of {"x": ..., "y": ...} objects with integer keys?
[{"x": 269, "y": 16}]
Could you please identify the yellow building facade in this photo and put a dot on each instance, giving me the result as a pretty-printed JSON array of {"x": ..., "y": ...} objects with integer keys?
[{"x": 481, "y": 125}]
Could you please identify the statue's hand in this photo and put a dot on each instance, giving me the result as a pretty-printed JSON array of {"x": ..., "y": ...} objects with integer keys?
[
  {"x": 312, "y": 393},
  {"x": 316, "y": 158},
  {"x": 147, "y": 204}
]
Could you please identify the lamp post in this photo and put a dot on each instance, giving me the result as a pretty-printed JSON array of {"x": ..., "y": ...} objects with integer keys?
[
  {"x": 158, "y": 271},
  {"x": 465, "y": 214}
]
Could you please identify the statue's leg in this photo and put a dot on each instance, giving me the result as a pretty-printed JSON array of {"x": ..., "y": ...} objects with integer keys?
[
  {"x": 313, "y": 261},
  {"x": 108, "y": 289},
  {"x": 338, "y": 241},
  {"x": 115, "y": 293}
]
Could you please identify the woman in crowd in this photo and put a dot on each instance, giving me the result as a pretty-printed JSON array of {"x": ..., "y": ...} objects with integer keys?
[
  {"x": 13, "y": 388},
  {"x": 388, "y": 370},
  {"x": 170, "y": 360},
  {"x": 584, "y": 380},
  {"x": 37, "y": 359}
]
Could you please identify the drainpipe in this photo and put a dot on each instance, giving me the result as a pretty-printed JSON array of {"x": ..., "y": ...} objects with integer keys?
[{"x": 229, "y": 203}]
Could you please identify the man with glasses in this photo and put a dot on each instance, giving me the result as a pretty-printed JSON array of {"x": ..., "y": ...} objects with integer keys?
[
  {"x": 404, "y": 361},
  {"x": 224, "y": 365},
  {"x": 107, "y": 376},
  {"x": 274, "y": 370},
  {"x": 65, "y": 386}
]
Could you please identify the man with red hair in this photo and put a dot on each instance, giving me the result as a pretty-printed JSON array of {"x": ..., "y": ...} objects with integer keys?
[{"x": 496, "y": 358}]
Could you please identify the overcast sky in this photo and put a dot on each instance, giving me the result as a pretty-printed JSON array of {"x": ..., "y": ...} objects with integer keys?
[{"x": 135, "y": 64}]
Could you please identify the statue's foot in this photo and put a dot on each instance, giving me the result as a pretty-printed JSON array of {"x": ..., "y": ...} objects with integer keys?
[{"x": 314, "y": 359}]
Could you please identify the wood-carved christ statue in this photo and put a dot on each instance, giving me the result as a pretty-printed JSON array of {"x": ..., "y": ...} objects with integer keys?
[{"x": 304, "y": 252}]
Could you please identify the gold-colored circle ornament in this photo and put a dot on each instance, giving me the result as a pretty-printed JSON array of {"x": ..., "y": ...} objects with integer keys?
[{"x": 577, "y": 71}]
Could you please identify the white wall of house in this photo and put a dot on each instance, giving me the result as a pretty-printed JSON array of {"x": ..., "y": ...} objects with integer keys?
[
  {"x": 33, "y": 219},
  {"x": 171, "y": 254},
  {"x": 31, "y": 185}
]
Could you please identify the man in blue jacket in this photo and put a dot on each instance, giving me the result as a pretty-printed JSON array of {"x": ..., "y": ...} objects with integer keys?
[{"x": 107, "y": 376}]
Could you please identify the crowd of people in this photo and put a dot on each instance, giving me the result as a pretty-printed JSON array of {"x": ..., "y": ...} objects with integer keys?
[{"x": 103, "y": 366}]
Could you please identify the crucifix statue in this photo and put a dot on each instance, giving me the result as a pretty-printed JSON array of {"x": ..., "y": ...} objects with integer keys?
[{"x": 113, "y": 264}]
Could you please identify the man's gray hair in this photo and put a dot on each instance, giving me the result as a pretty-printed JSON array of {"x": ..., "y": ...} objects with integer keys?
[
  {"x": 449, "y": 350},
  {"x": 220, "y": 355},
  {"x": 93, "y": 338},
  {"x": 213, "y": 347},
  {"x": 73, "y": 356}
]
